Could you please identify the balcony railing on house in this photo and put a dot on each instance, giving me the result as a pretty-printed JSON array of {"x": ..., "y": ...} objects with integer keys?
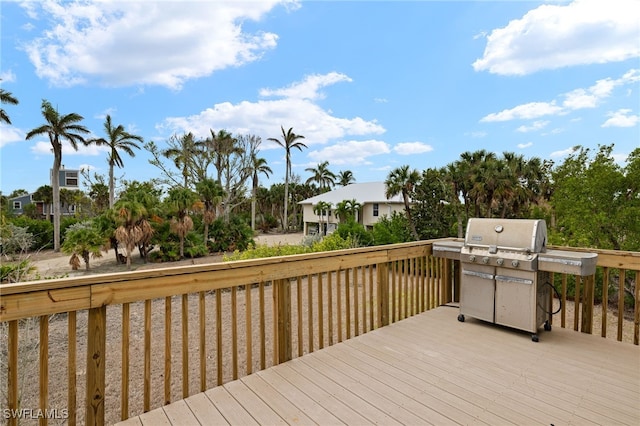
[{"x": 101, "y": 348}]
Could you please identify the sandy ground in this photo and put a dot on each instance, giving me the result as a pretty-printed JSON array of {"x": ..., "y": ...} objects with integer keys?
[{"x": 50, "y": 264}]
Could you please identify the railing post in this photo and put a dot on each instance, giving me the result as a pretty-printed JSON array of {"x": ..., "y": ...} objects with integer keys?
[
  {"x": 96, "y": 346},
  {"x": 383, "y": 293},
  {"x": 12, "y": 371},
  {"x": 282, "y": 299},
  {"x": 587, "y": 305}
]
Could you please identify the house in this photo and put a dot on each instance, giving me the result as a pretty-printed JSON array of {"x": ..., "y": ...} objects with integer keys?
[
  {"x": 370, "y": 195},
  {"x": 68, "y": 179}
]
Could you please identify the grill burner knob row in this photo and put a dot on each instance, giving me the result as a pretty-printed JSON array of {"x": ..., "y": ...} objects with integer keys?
[
  {"x": 500, "y": 261},
  {"x": 472, "y": 258},
  {"x": 485, "y": 260},
  {"x": 515, "y": 263}
]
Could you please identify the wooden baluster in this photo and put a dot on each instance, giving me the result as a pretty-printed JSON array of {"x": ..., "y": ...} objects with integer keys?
[
  {"x": 72, "y": 367},
  {"x": 185, "y": 345},
  {"x": 576, "y": 303},
  {"x": 605, "y": 300},
  {"x": 124, "y": 384},
  {"x": 587, "y": 305},
  {"x": 282, "y": 291},
  {"x": 372, "y": 302},
  {"x": 347, "y": 301},
  {"x": 621, "y": 302},
  {"x": 44, "y": 367},
  {"x": 203, "y": 341},
  {"x": 219, "y": 363},
  {"x": 320, "y": 313},
  {"x": 383, "y": 294},
  {"x": 339, "y": 304},
  {"x": 563, "y": 314},
  {"x": 96, "y": 346},
  {"x": 12, "y": 371},
  {"x": 147, "y": 356},
  {"x": 167, "y": 350},
  {"x": 356, "y": 311},
  {"x": 263, "y": 344},
  {"x": 248, "y": 329},
  {"x": 299, "y": 315},
  {"x": 330, "y": 306},
  {"x": 234, "y": 332},
  {"x": 310, "y": 311}
]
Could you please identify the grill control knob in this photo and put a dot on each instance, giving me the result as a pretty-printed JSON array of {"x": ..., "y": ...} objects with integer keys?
[
  {"x": 485, "y": 260},
  {"x": 515, "y": 263},
  {"x": 472, "y": 258},
  {"x": 500, "y": 261}
]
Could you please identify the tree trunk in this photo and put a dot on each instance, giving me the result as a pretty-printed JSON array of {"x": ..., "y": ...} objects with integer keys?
[{"x": 55, "y": 186}]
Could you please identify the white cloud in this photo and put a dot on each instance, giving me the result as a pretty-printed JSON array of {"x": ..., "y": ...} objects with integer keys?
[
  {"x": 264, "y": 118},
  {"x": 412, "y": 148},
  {"x": 127, "y": 43},
  {"x": 526, "y": 111},
  {"x": 621, "y": 118},
  {"x": 7, "y": 76},
  {"x": 350, "y": 153},
  {"x": 10, "y": 134},
  {"x": 576, "y": 99},
  {"x": 562, "y": 153},
  {"x": 44, "y": 148},
  {"x": 537, "y": 125},
  {"x": 554, "y": 36},
  {"x": 309, "y": 88},
  {"x": 525, "y": 145},
  {"x": 477, "y": 134}
]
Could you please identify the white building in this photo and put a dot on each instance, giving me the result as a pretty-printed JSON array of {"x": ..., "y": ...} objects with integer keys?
[{"x": 370, "y": 195}]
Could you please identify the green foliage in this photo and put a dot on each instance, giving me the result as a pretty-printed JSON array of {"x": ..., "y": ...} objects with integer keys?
[
  {"x": 391, "y": 230},
  {"x": 432, "y": 213},
  {"x": 229, "y": 236},
  {"x": 596, "y": 202},
  {"x": 328, "y": 243},
  {"x": 16, "y": 272},
  {"x": 356, "y": 231},
  {"x": 42, "y": 231},
  {"x": 15, "y": 240},
  {"x": 83, "y": 241}
]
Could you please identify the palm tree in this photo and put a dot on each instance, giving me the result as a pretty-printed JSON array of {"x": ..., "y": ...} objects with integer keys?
[
  {"x": 322, "y": 209},
  {"x": 324, "y": 177},
  {"x": 258, "y": 165},
  {"x": 6, "y": 98},
  {"x": 345, "y": 177},
  {"x": 180, "y": 200},
  {"x": 348, "y": 209},
  {"x": 289, "y": 141},
  {"x": 130, "y": 218},
  {"x": 117, "y": 140},
  {"x": 211, "y": 193},
  {"x": 183, "y": 155},
  {"x": 59, "y": 128},
  {"x": 402, "y": 181}
]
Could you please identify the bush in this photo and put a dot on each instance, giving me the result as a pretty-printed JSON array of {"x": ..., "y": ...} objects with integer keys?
[
  {"x": 391, "y": 230},
  {"x": 356, "y": 231},
  {"x": 229, "y": 236},
  {"x": 42, "y": 231},
  {"x": 15, "y": 240}
]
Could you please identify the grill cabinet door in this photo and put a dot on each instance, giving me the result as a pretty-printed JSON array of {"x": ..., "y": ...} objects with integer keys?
[
  {"x": 477, "y": 291},
  {"x": 516, "y": 299}
]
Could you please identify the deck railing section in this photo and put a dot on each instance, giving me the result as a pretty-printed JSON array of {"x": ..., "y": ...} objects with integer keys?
[
  {"x": 134, "y": 341},
  {"x": 617, "y": 274},
  {"x": 116, "y": 345}
]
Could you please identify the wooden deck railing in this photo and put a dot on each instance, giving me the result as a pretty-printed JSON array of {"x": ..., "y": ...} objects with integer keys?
[{"x": 142, "y": 339}]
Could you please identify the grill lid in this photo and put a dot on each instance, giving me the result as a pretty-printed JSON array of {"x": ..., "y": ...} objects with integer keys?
[{"x": 526, "y": 235}]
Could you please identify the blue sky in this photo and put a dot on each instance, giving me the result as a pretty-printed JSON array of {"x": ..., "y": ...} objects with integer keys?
[{"x": 372, "y": 85}]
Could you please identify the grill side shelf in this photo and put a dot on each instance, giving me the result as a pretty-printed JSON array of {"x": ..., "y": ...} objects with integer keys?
[{"x": 568, "y": 262}]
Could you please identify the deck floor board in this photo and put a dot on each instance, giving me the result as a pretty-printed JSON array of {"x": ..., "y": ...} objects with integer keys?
[{"x": 433, "y": 369}]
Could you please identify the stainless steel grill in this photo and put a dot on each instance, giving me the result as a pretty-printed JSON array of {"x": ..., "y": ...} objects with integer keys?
[{"x": 506, "y": 270}]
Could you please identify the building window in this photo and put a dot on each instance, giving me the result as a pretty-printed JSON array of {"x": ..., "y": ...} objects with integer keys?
[
  {"x": 375, "y": 209},
  {"x": 71, "y": 179},
  {"x": 17, "y": 205}
]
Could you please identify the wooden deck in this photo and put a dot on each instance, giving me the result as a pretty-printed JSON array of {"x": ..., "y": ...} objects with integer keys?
[{"x": 432, "y": 369}]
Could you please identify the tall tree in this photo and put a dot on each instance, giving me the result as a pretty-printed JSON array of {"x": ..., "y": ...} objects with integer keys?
[
  {"x": 322, "y": 209},
  {"x": 117, "y": 140},
  {"x": 289, "y": 141},
  {"x": 211, "y": 193},
  {"x": 324, "y": 177},
  {"x": 402, "y": 181},
  {"x": 345, "y": 177},
  {"x": 6, "y": 98},
  {"x": 182, "y": 152},
  {"x": 258, "y": 166},
  {"x": 132, "y": 226},
  {"x": 59, "y": 128},
  {"x": 180, "y": 200}
]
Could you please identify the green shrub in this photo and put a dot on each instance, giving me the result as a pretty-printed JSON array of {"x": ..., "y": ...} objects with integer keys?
[{"x": 42, "y": 231}]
